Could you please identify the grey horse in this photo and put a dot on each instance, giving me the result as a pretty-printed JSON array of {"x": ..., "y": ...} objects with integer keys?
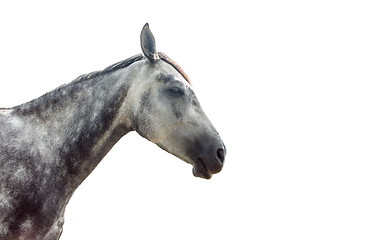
[{"x": 49, "y": 145}]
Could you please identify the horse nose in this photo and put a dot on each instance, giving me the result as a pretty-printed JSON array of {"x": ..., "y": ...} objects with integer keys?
[{"x": 221, "y": 154}]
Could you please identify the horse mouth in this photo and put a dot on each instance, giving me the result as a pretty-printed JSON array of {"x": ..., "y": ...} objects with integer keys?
[{"x": 200, "y": 169}]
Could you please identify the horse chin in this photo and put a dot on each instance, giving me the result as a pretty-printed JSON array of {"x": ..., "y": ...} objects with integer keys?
[{"x": 200, "y": 170}]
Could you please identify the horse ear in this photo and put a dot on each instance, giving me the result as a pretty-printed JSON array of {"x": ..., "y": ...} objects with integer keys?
[{"x": 148, "y": 44}]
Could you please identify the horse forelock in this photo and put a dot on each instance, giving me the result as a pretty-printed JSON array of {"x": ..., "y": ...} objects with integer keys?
[{"x": 168, "y": 60}]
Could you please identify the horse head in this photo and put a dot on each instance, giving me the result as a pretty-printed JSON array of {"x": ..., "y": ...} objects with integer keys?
[{"x": 165, "y": 110}]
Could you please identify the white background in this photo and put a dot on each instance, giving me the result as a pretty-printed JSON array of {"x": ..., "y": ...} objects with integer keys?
[{"x": 286, "y": 83}]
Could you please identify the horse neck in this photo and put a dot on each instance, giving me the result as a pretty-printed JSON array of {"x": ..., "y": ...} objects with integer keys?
[{"x": 79, "y": 123}]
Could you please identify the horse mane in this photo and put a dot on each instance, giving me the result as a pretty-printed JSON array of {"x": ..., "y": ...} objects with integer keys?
[
  {"x": 122, "y": 64},
  {"x": 119, "y": 65},
  {"x": 128, "y": 62}
]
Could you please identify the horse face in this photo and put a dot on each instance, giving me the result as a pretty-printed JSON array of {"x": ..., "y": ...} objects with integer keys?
[{"x": 169, "y": 115}]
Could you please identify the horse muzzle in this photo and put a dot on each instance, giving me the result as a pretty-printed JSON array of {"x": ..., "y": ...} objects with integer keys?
[{"x": 209, "y": 159}]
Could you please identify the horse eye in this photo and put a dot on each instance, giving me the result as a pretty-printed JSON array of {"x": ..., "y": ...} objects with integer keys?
[{"x": 176, "y": 91}]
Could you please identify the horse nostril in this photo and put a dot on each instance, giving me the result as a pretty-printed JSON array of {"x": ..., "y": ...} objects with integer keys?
[{"x": 221, "y": 154}]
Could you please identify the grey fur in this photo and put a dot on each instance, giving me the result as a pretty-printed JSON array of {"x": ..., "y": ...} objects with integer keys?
[
  {"x": 48, "y": 146},
  {"x": 46, "y": 152}
]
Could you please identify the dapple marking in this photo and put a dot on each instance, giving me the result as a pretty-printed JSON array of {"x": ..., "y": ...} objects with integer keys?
[{"x": 48, "y": 146}]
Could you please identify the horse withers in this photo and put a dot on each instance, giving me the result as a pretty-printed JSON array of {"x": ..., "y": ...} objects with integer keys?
[{"x": 48, "y": 146}]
